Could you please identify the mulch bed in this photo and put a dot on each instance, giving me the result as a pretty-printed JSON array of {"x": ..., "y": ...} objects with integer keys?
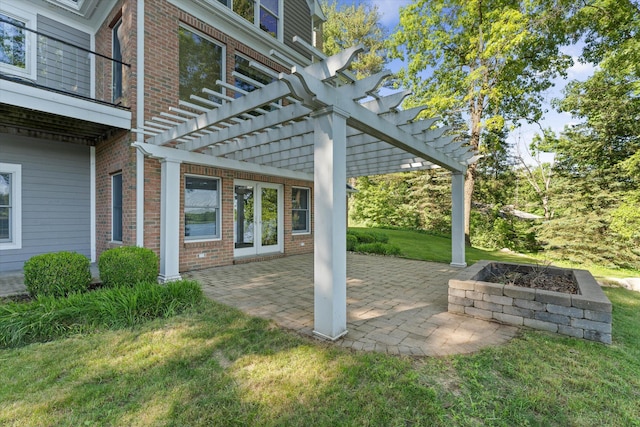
[{"x": 535, "y": 278}]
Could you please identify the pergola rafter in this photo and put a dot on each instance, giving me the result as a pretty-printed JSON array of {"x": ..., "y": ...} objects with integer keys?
[{"x": 318, "y": 123}]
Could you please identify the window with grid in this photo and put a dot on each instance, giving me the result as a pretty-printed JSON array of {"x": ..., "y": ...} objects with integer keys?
[{"x": 300, "y": 210}]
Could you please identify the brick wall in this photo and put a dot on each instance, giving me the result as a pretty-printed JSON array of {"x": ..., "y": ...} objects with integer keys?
[
  {"x": 162, "y": 21},
  {"x": 116, "y": 155},
  {"x": 198, "y": 255}
]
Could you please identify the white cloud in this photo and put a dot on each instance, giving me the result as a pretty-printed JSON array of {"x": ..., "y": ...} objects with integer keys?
[
  {"x": 389, "y": 11},
  {"x": 580, "y": 71}
]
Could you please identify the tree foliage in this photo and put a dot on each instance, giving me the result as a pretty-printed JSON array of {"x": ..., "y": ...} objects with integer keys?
[
  {"x": 490, "y": 59},
  {"x": 351, "y": 25}
]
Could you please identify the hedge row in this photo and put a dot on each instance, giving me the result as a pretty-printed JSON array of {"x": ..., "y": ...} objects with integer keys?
[{"x": 63, "y": 273}]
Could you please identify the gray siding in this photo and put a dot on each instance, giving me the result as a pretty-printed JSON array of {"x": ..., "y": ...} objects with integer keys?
[
  {"x": 61, "y": 66},
  {"x": 297, "y": 22},
  {"x": 56, "y": 212}
]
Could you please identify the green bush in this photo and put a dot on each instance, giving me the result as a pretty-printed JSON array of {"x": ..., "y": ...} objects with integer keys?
[
  {"x": 369, "y": 236},
  {"x": 378, "y": 248},
  {"x": 128, "y": 266},
  {"x": 49, "y": 318},
  {"x": 57, "y": 274},
  {"x": 352, "y": 241}
]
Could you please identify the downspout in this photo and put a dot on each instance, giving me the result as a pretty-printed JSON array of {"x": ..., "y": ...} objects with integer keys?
[
  {"x": 92, "y": 200},
  {"x": 139, "y": 123}
]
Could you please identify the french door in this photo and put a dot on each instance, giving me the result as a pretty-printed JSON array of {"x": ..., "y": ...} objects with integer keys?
[{"x": 258, "y": 218}]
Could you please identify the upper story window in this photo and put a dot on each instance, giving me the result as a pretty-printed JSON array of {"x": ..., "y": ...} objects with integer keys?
[
  {"x": 266, "y": 14},
  {"x": 117, "y": 66},
  {"x": 17, "y": 43},
  {"x": 201, "y": 64}
]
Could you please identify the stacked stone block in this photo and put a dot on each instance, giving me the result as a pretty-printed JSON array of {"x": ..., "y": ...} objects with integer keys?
[{"x": 586, "y": 315}]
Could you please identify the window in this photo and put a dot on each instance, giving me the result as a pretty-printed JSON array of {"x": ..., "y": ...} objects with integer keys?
[
  {"x": 116, "y": 207},
  {"x": 201, "y": 208},
  {"x": 300, "y": 217},
  {"x": 117, "y": 66},
  {"x": 17, "y": 43},
  {"x": 242, "y": 66},
  {"x": 269, "y": 16},
  {"x": 10, "y": 206},
  {"x": 201, "y": 64},
  {"x": 266, "y": 14}
]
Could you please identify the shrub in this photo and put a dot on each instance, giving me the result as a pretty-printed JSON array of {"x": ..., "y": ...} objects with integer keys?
[
  {"x": 127, "y": 266},
  {"x": 369, "y": 236},
  {"x": 378, "y": 248},
  {"x": 107, "y": 308},
  {"x": 352, "y": 241},
  {"x": 57, "y": 274}
]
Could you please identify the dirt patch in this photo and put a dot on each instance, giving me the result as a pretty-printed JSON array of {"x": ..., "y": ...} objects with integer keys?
[{"x": 534, "y": 277}]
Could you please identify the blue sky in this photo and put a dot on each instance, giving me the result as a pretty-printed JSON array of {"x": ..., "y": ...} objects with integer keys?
[{"x": 522, "y": 136}]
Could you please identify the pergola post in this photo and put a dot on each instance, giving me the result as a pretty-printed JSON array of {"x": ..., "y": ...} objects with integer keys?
[
  {"x": 169, "y": 220},
  {"x": 330, "y": 226},
  {"x": 457, "y": 220}
]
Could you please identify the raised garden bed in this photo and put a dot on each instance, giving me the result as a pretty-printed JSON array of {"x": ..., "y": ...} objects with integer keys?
[{"x": 565, "y": 301}]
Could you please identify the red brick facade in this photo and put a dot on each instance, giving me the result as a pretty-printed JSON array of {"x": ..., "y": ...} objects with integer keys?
[{"x": 162, "y": 21}]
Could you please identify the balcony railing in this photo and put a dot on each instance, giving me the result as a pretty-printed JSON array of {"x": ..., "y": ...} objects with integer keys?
[{"x": 60, "y": 66}]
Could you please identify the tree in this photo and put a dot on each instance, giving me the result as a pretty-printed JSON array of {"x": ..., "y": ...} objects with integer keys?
[
  {"x": 350, "y": 25},
  {"x": 539, "y": 176},
  {"x": 490, "y": 59}
]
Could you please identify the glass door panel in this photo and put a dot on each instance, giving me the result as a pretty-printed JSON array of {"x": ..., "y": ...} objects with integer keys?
[
  {"x": 257, "y": 218},
  {"x": 244, "y": 217},
  {"x": 269, "y": 219}
]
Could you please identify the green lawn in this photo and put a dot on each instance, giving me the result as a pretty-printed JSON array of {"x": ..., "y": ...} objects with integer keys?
[
  {"x": 214, "y": 366},
  {"x": 429, "y": 247}
]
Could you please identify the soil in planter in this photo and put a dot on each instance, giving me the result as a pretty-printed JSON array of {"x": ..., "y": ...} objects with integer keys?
[{"x": 539, "y": 277}]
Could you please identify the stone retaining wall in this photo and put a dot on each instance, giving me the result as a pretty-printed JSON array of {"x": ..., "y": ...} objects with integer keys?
[{"x": 587, "y": 315}]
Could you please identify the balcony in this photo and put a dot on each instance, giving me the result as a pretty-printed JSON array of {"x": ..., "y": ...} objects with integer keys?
[{"x": 51, "y": 86}]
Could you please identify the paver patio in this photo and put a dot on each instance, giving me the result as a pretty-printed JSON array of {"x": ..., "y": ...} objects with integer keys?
[{"x": 394, "y": 305}]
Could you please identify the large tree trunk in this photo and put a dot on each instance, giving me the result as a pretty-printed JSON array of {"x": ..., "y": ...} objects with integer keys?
[
  {"x": 468, "y": 193},
  {"x": 475, "y": 110}
]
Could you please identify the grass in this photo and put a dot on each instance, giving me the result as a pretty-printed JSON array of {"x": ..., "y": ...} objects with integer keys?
[
  {"x": 213, "y": 365},
  {"x": 216, "y": 366},
  {"x": 430, "y": 247},
  {"x": 47, "y": 318}
]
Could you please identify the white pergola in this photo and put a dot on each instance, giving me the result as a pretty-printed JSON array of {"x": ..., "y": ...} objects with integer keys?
[{"x": 317, "y": 123}]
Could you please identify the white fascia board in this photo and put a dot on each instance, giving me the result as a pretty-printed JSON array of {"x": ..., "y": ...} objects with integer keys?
[
  {"x": 58, "y": 13},
  {"x": 160, "y": 152},
  {"x": 224, "y": 19},
  {"x": 63, "y": 105}
]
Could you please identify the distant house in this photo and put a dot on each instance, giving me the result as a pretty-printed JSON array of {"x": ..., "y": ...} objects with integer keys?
[{"x": 210, "y": 131}]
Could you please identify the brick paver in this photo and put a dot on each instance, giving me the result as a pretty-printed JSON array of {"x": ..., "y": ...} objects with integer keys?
[{"x": 394, "y": 305}]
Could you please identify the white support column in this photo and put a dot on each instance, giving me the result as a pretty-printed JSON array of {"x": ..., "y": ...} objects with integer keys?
[
  {"x": 92, "y": 201},
  {"x": 457, "y": 220},
  {"x": 169, "y": 221},
  {"x": 330, "y": 227}
]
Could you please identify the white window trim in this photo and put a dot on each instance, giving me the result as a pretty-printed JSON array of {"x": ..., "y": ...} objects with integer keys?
[
  {"x": 31, "y": 43},
  {"x": 257, "y": 5},
  {"x": 280, "y": 16},
  {"x": 16, "y": 206},
  {"x": 308, "y": 230},
  {"x": 113, "y": 240},
  {"x": 184, "y": 188}
]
